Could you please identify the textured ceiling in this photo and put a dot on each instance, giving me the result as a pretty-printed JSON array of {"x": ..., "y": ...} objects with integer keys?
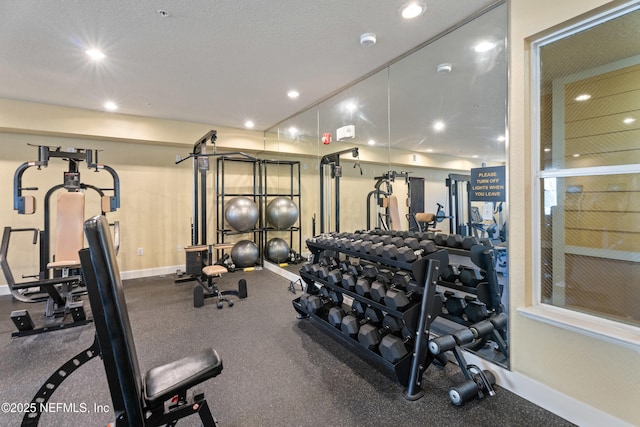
[{"x": 215, "y": 62}]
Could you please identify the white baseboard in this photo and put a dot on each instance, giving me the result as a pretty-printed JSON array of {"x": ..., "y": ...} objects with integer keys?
[
  {"x": 544, "y": 396},
  {"x": 281, "y": 271},
  {"x": 150, "y": 272}
]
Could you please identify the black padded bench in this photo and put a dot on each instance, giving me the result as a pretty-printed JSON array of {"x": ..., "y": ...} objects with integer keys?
[{"x": 160, "y": 397}]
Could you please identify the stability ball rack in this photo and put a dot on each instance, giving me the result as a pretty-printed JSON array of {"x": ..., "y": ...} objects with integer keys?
[
  {"x": 223, "y": 195},
  {"x": 292, "y": 192}
]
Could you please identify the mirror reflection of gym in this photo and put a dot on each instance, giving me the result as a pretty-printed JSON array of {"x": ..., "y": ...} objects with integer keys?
[{"x": 422, "y": 125}]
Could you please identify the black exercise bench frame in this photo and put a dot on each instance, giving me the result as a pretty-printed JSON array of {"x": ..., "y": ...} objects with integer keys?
[{"x": 163, "y": 395}]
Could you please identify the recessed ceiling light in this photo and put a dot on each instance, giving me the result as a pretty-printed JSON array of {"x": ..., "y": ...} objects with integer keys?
[
  {"x": 444, "y": 68},
  {"x": 438, "y": 125},
  {"x": 547, "y": 150},
  {"x": 583, "y": 97},
  {"x": 249, "y": 124},
  {"x": 293, "y": 94},
  {"x": 628, "y": 120},
  {"x": 351, "y": 107},
  {"x": 293, "y": 131},
  {"x": 429, "y": 150},
  {"x": 484, "y": 46},
  {"x": 412, "y": 9},
  {"x": 576, "y": 155},
  {"x": 110, "y": 105},
  {"x": 475, "y": 156},
  {"x": 95, "y": 54},
  {"x": 371, "y": 142}
]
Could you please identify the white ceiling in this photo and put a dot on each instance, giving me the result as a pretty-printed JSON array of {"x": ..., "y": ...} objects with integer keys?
[{"x": 215, "y": 62}]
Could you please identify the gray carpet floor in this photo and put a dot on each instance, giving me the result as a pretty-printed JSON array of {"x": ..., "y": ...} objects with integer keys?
[{"x": 278, "y": 370}]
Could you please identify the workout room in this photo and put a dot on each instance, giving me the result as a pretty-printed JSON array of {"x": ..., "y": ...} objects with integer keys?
[{"x": 347, "y": 213}]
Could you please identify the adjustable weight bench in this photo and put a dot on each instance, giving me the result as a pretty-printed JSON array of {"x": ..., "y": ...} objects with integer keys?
[{"x": 160, "y": 397}]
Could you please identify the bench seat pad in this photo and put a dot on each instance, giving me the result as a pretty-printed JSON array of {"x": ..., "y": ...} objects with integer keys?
[{"x": 163, "y": 382}]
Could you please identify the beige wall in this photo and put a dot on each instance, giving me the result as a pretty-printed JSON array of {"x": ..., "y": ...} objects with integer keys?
[
  {"x": 598, "y": 373},
  {"x": 155, "y": 212},
  {"x": 156, "y": 194}
]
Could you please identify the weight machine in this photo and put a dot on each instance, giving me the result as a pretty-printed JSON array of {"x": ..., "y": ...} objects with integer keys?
[
  {"x": 459, "y": 203},
  {"x": 59, "y": 282},
  {"x": 384, "y": 200},
  {"x": 199, "y": 256},
  {"x": 333, "y": 161}
]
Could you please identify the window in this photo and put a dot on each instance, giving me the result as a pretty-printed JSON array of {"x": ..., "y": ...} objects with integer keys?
[{"x": 586, "y": 153}]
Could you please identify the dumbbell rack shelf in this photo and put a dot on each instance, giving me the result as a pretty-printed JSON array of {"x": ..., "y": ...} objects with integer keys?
[
  {"x": 401, "y": 369},
  {"x": 410, "y": 315},
  {"x": 417, "y": 316},
  {"x": 316, "y": 248}
]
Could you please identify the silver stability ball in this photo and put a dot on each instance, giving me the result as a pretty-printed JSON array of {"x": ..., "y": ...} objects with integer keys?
[
  {"x": 276, "y": 250},
  {"x": 241, "y": 213},
  {"x": 245, "y": 254},
  {"x": 281, "y": 213}
]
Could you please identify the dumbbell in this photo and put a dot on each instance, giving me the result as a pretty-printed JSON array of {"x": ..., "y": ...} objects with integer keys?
[
  {"x": 335, "y": 277},
  {"x": 470, "y": 276},
  {"x": 454, "y": 241},
  {"x": 363, "y": 286},
  {"x": 355, "y": 245},
  {"x": 396, "y": 326},
  {"x": 304, "y": 298},
  {"x": 370, "y": 271},
  {"x": 359, "y": 308},
  {"x": 329, "y": 260},
  {"x": 389, "y": 251},
  {"x": 383, "y": 282},
  {"x": 469, "y": 241},
  {"x": 408, "y": 255},
  {"x": 398, "y": 241},
  {"x": 316, "y": 303},
  {"x": 335, "y": 316},
  {"x": 396, "y": 297},
  {"x": 440, "y": 239},
  {"x": 428, "y": 246},
  {"x": 376, "y": 249},
  {"x": 411, "y": 242},
  {"x": 344, "y": 266},
  {"x": 450, "y": 273},
  {"x": 476, "y": 310},
  {"x": 349, "y": 281},
  {"x": 365, "y": 247},
  {"x": 355, "y": 269},
  {"x": 323, "y": 272},
  {"x": 377, "y": 328},
  {"x": 454, "y": 305},
  {"x": 393, "y": 348},
  {"x": 306, "y": 267},
  {"x": 336, "y": 297},
  {"x": 315, "y": 269},
  {"x": 351, "y": 324}
]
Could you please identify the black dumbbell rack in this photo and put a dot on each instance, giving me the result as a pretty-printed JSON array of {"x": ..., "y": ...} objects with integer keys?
[{"x": 417, "y": 316}]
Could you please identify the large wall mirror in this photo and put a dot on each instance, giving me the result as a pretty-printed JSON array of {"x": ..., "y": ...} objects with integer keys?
[{"x": 415, "y": 129}]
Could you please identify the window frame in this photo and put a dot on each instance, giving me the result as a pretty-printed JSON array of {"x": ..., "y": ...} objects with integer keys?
[{"x": 590, "y": 325}]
